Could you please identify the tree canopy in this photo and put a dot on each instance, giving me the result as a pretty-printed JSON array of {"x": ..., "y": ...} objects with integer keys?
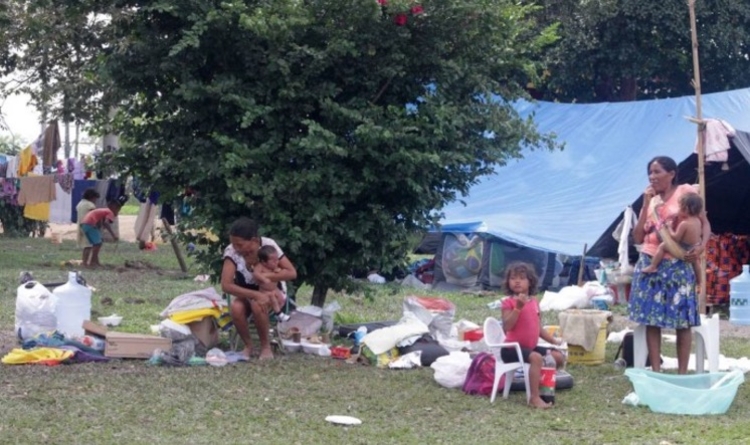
[
  {"x": 622, "y": 50},
  {"x": 341, "y": 126}
]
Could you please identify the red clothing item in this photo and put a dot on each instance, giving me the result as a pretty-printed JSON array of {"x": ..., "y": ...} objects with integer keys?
[
  {"x": 527, "y": 327},
  {"x": 96, "y": 216}
]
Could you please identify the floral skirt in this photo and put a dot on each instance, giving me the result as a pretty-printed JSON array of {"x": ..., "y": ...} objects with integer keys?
[{"x": 666, "y": 298}]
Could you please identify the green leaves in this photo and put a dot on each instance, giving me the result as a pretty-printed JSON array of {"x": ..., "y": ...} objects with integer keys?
[{"x": 338, "y": 130}]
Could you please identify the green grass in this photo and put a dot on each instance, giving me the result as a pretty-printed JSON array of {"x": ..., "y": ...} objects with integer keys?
[{"x": 285, "y": 401}]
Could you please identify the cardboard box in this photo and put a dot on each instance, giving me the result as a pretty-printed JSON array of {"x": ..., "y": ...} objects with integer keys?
[
  {"x": 206, "y": 331},
  {"x": 125, "y": 345},
  {"x": 91, "y": 328}
]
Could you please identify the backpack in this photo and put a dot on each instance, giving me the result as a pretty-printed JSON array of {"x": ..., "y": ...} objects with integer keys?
[
  {"x": 625, "y": 351},
  {"x": 481, "y": 375}
]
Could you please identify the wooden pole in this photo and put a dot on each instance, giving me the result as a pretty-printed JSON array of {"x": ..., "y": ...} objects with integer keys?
[
  {"x": 175, "y": 246},
  {"x": 582, "y": 265},
  {"x": 701, "y": 148}
]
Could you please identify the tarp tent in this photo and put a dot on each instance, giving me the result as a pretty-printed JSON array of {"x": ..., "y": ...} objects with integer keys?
[
  {"x": 466, "y": 256},
  {"x": 557, "y": 201}
]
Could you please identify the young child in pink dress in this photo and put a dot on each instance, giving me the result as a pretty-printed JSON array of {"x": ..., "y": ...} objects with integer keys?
[{"x": 522, "y": 324}]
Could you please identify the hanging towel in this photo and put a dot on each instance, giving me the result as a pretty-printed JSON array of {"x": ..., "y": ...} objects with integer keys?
[
  {"x": 37, "y": 212},
  {"x": 36, "y": 189}
]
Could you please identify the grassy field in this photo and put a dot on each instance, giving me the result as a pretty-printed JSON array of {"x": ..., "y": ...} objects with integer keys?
[{"x": 285, "y": 401}]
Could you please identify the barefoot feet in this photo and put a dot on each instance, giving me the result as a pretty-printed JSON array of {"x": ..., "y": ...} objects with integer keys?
[
  {"x": 266, "y": 353},
  {"x": 537, "y": 402}
]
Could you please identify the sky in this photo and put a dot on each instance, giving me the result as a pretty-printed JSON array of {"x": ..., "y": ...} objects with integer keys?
[{"x": 23, "y": 122}]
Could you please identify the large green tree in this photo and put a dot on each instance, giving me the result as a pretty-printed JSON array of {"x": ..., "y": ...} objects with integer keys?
[
  {"x": 622, "y": 50},
  {"x": 340, "y": 125}
]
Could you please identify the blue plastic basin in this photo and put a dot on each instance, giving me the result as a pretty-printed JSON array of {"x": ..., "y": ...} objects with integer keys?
[{"x": 694, "y": 394}]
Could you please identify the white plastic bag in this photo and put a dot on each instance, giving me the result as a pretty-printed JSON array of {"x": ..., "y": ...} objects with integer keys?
[
  {"x": 451, "y": 369},
  {"x": 216, "y": 357},
  {"x": 436, "y": 313},
  {"x": 327, "y": 315},
  {"x": 35, "y": 310}
]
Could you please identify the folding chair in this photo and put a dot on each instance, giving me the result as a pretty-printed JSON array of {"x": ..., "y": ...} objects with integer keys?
[
  {"x": 494, "y": 337},
  {"x": 234, "y": 338}
]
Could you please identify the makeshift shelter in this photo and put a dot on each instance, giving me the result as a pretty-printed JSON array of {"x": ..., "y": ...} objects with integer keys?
[
  {"x": 558, "y": 201},
  {"x": 466, "y": 256}
]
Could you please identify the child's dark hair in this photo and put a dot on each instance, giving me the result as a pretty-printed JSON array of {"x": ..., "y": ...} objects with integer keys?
[
  {"x": 265, "y": 252},
  {"x": 524, "y": 269},
  {"x": 114, "y": 204},
  {"x": 244, "y": 228},
  {"x": 90, "y": 194},
  {"x": 692, "y": 203}
]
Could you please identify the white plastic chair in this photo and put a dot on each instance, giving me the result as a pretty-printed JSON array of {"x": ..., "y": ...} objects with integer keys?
[{"x": 494, "y": 337}]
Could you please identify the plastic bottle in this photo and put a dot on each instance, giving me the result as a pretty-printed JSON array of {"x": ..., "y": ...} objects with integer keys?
[
  {"x": 73, "y": 306},
  {"x": 548, "y": 379},
  {"x": 739, "y": 298}
]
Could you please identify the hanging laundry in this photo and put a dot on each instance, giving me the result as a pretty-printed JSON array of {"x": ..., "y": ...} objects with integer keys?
[
  {"x": 36, "y": 189},
  {"x": 12, "y": 169},
  {"x": 38, "y": 212},
  {"x": 50, "y": 145},
  {"x": 26, "y": 161},
  {"x": 716, "y": 140},
  {"x": 79, "y": 186},
  {"x": 59, "y": 211}
]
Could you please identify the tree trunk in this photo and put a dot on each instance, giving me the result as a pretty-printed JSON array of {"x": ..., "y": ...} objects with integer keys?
[
  {"x": 319, "y": 295},
  {"x": 628, "y": 89}
]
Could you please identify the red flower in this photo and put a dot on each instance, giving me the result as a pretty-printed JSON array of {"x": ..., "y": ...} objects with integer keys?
[
  {"x": 383, "y": 2},
  {"x": 400, "y": 19},
  {"x": 417, "y": 9}
]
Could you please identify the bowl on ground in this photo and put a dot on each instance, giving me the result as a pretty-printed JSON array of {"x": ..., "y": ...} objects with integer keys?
[{"x": 112, "y": 320}]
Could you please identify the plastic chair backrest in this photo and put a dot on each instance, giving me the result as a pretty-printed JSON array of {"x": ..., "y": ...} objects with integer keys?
[{"x": 493, "y": 332}]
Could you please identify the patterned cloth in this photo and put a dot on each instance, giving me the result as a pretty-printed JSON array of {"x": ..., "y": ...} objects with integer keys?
[{"x": 666, "y": 298}]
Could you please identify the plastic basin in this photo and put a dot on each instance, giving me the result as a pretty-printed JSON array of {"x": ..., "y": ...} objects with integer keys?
[{"x": 694, "y": 394}]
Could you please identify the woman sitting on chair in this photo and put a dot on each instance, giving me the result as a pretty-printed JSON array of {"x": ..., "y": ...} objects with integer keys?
[{"x": 237, "y": 280}]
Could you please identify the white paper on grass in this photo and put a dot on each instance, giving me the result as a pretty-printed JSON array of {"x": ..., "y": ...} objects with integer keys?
[{"x": 343, "y": 420}]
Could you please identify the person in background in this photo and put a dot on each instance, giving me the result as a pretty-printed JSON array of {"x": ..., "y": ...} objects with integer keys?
[
  {"x": 667, "y": 297},
  {"x": 238, "y": 280},
  {"x": 92, "y": 224},
  {"x": 86, "y": 205},
  {"x": 522, "y": 324}
]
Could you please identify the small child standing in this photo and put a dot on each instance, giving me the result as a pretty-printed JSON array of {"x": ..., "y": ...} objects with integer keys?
[
  {"x": 522, "y": 324},
  {"x": 687, "y": 234},
  {"x": 87, "y": 204},
  {"x": 268, "y": 262},
  {"x": 91, "y": 225}
]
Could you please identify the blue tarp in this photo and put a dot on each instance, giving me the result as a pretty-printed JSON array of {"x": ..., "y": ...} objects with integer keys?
[{"x": 557, "y": 201}]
